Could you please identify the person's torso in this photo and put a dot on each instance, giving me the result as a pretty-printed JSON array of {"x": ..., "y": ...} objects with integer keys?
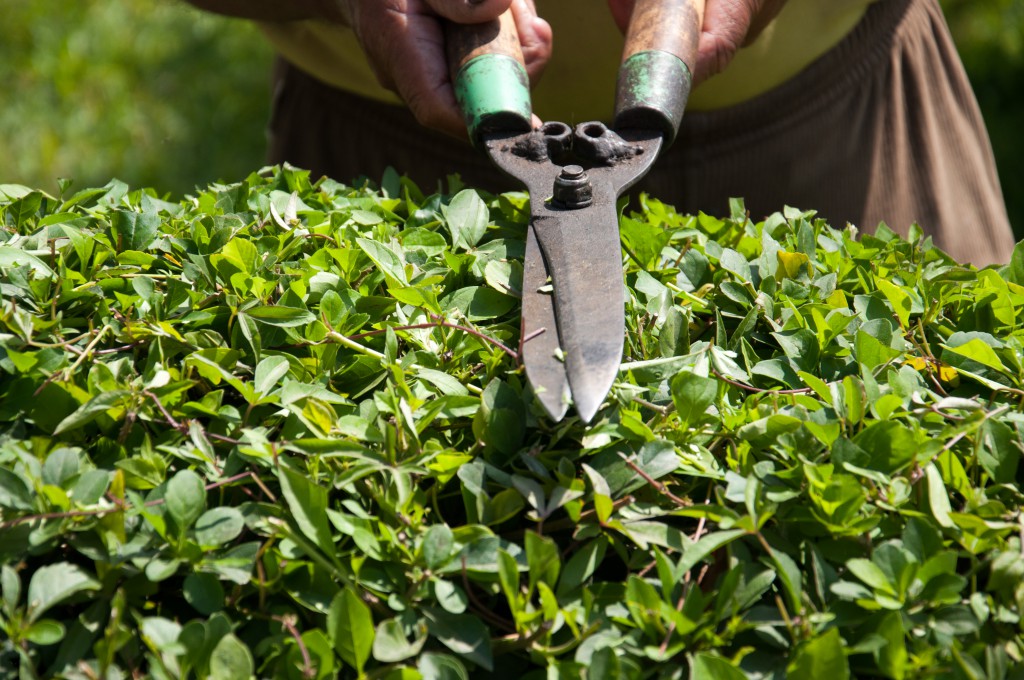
[{"x": 579, "y": 83}]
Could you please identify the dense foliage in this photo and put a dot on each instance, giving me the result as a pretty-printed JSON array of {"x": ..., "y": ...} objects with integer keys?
[
  {"x": 279, "y": 429},
  {"x": 152, "y": 91}
]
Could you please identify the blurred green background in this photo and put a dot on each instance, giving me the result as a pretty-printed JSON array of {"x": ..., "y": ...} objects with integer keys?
[{"x": 157, "y": 93}]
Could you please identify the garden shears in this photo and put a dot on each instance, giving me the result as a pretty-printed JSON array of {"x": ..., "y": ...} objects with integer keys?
[{"x": 573, "y": 319}]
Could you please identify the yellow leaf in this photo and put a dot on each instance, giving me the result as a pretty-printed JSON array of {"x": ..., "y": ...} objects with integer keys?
[
  {"x": 918, "y": 363},
  {"x": 838, "y": 300},
  {"x": 791, "y": 265}
]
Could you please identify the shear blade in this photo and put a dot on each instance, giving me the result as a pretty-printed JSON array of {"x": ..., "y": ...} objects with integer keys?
[
  {"x": 540, "y": 346},
  {"x": 582, "y": 254},
  {"x": 579, "y": 250}
]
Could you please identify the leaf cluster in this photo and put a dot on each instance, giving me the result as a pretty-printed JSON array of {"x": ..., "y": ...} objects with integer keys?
[{"x": 279, "y": 428}]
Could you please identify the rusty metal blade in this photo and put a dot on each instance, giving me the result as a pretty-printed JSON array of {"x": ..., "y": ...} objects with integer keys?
[
  {"x": 539, "y": 353},
  {"x": 584, "y": 259},
  {"x": 579, "y": 249}
]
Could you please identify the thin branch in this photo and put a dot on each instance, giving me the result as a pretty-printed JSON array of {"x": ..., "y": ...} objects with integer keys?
[
  {"x": 441, "y": 324},
  {"x": 533, "y": 334},
  {"x": 289, "y": 625},
  {"x": 759, "y": 390},
  {"x": 180, "y": 427},
  {"x": 661, "y": 488},
  {"x": 660, "y": 410},
  {"x": 686, "y": 581},
  {"x": 482, "y": 609}
]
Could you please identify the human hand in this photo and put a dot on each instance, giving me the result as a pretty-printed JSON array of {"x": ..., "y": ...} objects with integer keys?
[
  {"x": 728, "y": 25},
  {"x": 404, "y": 41}
]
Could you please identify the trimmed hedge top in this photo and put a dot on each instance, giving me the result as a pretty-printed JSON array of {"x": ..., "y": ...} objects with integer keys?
[{"x": 279, "y": 429}]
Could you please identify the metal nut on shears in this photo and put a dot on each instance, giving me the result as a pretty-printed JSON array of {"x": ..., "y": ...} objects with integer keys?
[{"x": 572, "y": 188}]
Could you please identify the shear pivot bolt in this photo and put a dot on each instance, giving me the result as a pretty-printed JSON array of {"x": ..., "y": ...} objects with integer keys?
[{"x": 572, "y": 188}]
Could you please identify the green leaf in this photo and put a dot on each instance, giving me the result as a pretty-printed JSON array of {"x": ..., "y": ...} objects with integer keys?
[
  {"x": 1015, "y": 271},
  {"x": 390, "y": 644},
  {"x": 308, "y": 505},
  {"x": 442, "y": 381},
  {"x": 734, "y": 262},
  {"x": 543, "y": 559},
  {"x": 237, "y": 255},
  {"x": 1000, "y": 451},
  {"x": 821, "y": 657},
  {"x": 10, "y": 585},
  {"x": 45, "y": 632},
  {"x": 708, "y": 667},
  {"x": 135, "y": 230},
  {"x": 704, "y": 547},
  {"x": 269, "y": 373},
  {"x": 901, "y": 302},
  {"x": 464, "y": 634},
  {"x": 868, "y": 572},
  {"x": 467, "y": 218},
  {"x": 765, "y": 430},
  {"x": 433, "y": 666},
  {"x": 604, "y": 665},
  {"x": 890, "y": 444},
  {"x": 350, "y": 628},
  {"x": 978, "y": 350},
  {"x": 693, "y": 395},
  {"x": 508, "y": 578},
  {"x": 674, "y": 339},
  {"x": 479, "y": 303},
  {"x": 389, "y": 262},
  {"x": 231, "y": 660},
  {"x": 656, "y": 459},
  {"x": 581, "y": 567},
  {"x": 14, "y": 492},
  {"x": 438, "y": 546},
  {"x": 204, "y": 592},
  {"x": 15, "y": 257},
  {"x": 185, "y": 498},
  {"x": 60, "y": 466},
  {"x": 892, "y": 657},
  {"x": 52, "y": 584},
  {"x": 91, "y": 410},
  {"x": 791, "y": 576},
  {"x": 500, "y": 423},
  {"x": 218, "y": 526},
  {"x": 872, "y": 344},
  {"x": 938, "y": 498},
  {"x": 281, "y": 316}
]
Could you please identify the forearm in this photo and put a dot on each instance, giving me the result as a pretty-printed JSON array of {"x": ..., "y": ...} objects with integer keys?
[{"x": 275, "y": 10}]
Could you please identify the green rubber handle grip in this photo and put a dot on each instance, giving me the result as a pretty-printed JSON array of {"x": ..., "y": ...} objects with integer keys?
[
  {"x": 657, "y": 65},
  {"x": 489, "y": 76},
  {"x": 653, "y": 89},
  {"x": 493, "y": 92}
]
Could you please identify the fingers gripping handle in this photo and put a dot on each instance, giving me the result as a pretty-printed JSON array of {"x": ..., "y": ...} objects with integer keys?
[
  {"x": 490, "y": 80},
  {"x": 657, "y": 65}
]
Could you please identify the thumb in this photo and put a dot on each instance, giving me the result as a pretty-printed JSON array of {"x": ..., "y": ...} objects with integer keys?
[
  {"x": 535, "y": 37},
  {"x": 470, "y": 11}
]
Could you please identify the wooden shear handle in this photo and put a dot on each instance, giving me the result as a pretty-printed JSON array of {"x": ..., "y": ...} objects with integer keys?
[
  {"x": 657, "y": 65},
  {"x": 489, "y": 75}
]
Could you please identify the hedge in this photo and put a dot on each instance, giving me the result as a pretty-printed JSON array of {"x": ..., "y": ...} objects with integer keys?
[{"x": 278, "y": 428}]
